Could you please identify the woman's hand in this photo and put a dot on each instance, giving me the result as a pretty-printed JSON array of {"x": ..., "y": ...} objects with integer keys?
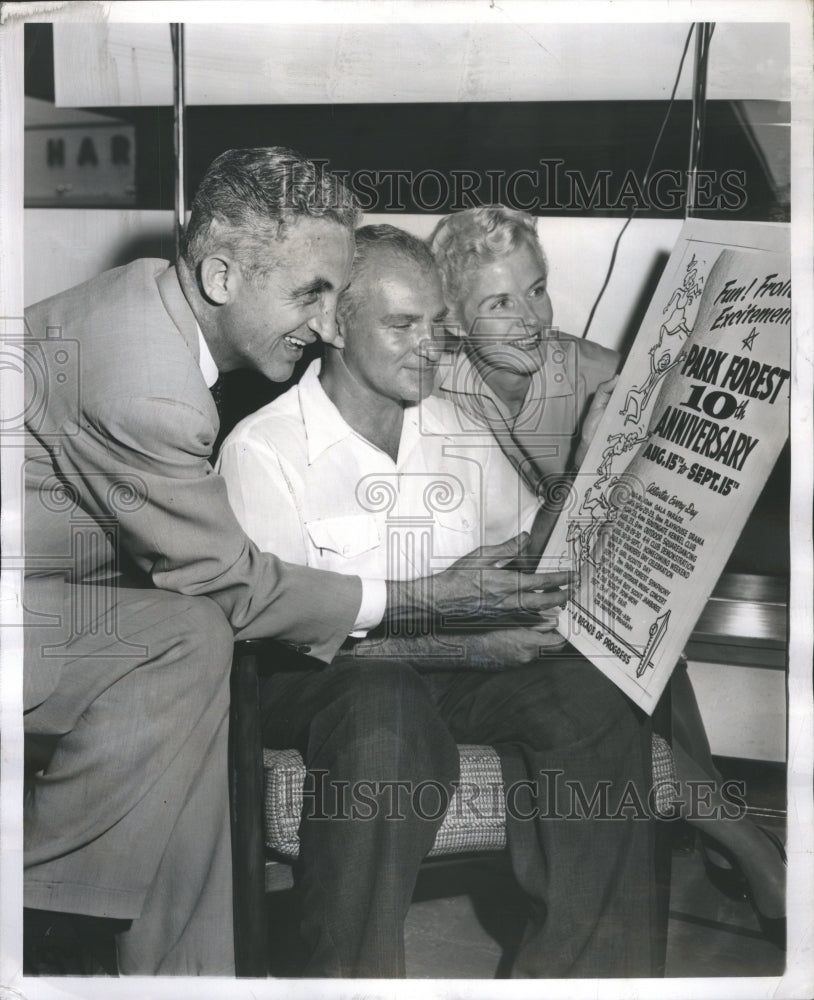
[{"x": 590, "y": 424}]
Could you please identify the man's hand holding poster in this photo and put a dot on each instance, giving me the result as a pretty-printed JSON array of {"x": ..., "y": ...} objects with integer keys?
[{"x": 691, "y": 433}]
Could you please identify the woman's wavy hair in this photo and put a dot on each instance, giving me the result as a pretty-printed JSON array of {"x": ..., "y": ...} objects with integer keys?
[
  {"x": 249, "y": 198},
  {"x": 465, "y": 241}
]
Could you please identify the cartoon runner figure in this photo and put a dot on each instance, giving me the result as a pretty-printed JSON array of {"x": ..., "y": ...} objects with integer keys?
[
  {"x": 582, "y": 533},
  {"x": 663, "y": 358},
  {"x": 618, "y": 444}
]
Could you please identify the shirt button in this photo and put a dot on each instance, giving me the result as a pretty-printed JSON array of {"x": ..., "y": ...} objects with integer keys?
[
  {"x": 558, "y": 357},
  {"x": 558, "y": 377},
  {"x": 465, "y": 523}
]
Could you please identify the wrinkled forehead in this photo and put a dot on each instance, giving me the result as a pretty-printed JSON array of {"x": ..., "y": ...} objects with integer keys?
[
  {"x": 396, "y": 272},
  {"x": 314, "y": 254},
  {"x": 372, "y": 262},
  {"x": 310, "y": 234},
  {"x": 391, "y": 286}
]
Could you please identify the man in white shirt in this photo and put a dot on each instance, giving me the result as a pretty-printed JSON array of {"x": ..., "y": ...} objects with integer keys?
[{"x": 347, "y": 472}]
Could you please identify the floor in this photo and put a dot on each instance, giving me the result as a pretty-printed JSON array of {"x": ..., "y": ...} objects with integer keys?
[
  {"x": 708, "y": 934},
  {"x": 465, "y": 918}
]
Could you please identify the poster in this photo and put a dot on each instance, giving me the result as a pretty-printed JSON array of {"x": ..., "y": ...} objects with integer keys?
[
  {"x": 690, "y": 435},
  {"x": 580, "y": 270}
]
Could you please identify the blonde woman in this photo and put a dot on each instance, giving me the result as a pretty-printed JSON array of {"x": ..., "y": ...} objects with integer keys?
[{"x": 542, "y": 393}]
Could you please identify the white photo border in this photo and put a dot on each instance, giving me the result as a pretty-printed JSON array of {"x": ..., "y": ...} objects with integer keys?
[{"x": 798, "y": 980}]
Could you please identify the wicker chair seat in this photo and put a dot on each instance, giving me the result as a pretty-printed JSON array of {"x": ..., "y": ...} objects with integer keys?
[{"x": 475, "y": 819}]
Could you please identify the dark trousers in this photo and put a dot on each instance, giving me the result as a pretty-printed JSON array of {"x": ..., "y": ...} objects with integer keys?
[{"x": 374, "y": 732}]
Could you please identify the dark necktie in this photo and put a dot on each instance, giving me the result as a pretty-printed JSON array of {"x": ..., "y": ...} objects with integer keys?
[{"x": 217, "y": 395}]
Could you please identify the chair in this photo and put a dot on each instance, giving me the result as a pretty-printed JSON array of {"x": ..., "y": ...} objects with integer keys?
[{"x": 266, "y": 798}]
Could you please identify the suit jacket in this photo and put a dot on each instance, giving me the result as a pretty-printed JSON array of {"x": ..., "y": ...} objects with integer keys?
[{"x": 121, "y": 429}]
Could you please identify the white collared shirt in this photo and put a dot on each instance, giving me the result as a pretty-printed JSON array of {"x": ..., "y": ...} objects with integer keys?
[
  {"x": 206, "y": 362},
  {"x": 306, "y": 486}
]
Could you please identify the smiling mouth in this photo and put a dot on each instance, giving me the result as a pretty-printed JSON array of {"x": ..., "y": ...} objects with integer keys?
[
  {"x": 526, "y": 343},
  {"x": 295, "y": 342}
]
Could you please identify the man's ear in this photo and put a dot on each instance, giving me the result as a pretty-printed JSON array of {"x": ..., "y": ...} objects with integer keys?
[{"x": 220, "y": 278}]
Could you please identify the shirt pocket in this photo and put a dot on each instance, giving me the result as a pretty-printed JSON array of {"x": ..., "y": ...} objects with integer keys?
[
  {"x": 349, "y": 536},
  {"x": 464, "y": 518}
]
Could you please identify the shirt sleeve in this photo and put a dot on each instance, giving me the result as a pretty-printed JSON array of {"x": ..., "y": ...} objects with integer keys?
[
  {"x": 143, "y": 460},
  {"x": 371, "y": 611},
  {"x": 596, "y": 364}
]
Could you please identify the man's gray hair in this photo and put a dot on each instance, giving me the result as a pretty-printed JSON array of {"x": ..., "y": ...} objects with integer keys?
[
  {"x": 465, "y": 241},
  {"x": 249, "y": 198},
  {"x": 372, "y": 243}
]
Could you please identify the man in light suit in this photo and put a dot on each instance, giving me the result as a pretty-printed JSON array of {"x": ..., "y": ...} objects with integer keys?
[{"x": 139, "y": 577}]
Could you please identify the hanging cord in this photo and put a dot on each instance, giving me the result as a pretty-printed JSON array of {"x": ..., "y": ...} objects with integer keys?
[
  {"x": 703, "y": 37},
  {"x": 178, "y": 107},
  {"x": 629, "y": 219}
]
